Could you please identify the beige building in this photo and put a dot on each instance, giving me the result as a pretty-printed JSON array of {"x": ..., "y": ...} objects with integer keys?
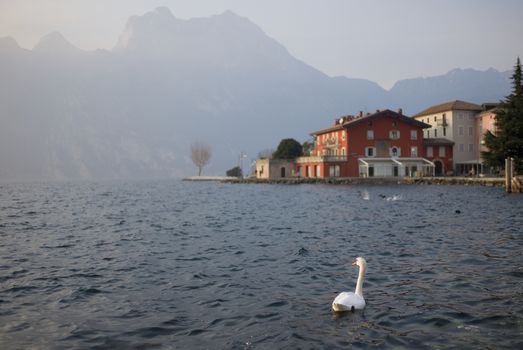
[
  {"x": 274, "y": 168},
  {"x": 457, "y": 122}
]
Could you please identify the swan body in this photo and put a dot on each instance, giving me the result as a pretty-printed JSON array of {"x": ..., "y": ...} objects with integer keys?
[{"x": 348, "y": 301}]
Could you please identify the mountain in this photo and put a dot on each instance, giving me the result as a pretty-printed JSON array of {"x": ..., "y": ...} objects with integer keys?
[
  {"x": 133, "y": 111},
  {"x": 55, "y": 44},
  {"x": 462, "y": 84}
]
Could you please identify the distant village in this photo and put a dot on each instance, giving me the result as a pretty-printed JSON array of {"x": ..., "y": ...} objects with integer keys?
[{"x": 442, "y": 140}]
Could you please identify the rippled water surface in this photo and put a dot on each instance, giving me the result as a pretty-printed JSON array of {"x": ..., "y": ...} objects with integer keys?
[{"x": 171, "y": 264}]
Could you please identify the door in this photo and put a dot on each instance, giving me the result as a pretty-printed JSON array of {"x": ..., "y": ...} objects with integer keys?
[
  {"x": 438, "y": 168},
  {"x": 282, "y": 171}
]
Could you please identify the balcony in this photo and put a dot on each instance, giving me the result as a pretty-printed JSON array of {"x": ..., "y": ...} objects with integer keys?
[
  {"x": 330, "y": 143},
  {"x": 321, "y": 159},
  {"x": 441, "y": 122}
]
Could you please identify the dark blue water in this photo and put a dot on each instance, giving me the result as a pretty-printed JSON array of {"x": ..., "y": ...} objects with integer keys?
[{"x": 171, "y": 264}]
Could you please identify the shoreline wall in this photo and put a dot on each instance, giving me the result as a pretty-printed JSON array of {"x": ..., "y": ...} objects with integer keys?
[{"x": 465, "y": 181}]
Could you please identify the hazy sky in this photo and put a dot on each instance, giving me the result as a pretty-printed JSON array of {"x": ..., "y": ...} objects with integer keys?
[{"x": 383, "y": 41}]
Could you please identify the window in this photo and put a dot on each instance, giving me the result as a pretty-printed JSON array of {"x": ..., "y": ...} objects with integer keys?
[
  {"x": 343, "y": 151},
  {"x": 444, "y": 131},
  {"x": 461, "y": 147},
  {"x": 442, "y": 151},
  {"x": 343, "y": 134},
  {"x": 414, "y": 151},
  {"x": 470, "y": 130},
  {"x": 394, "y": 152},
  {"x": 394, "y": 134},
  {"x": 481, "y": 128},
  {"x": 414, "y": 134},
  {"x": 428, "y": 133},
  {"x": 370, "y": 134},
  {"x": 430, "y": 151},
  {"x": 369, "y": 151},
  {"x": 435, "y": 132},
  {"x": 435, "y": 118},
  {"x": 394, "y": 123},
  {"x": 460, "y": 131},
  {"x": 334, "y": 170},
  {"x": 471, "y": 147},
  {"x": 460, "y": 116}
]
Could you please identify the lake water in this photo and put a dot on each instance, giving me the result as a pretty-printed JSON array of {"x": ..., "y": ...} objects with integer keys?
[{"x": 172, "y": 264}]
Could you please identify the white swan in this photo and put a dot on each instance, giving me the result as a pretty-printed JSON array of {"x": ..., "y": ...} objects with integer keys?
[{"x": 347, "y": 301}]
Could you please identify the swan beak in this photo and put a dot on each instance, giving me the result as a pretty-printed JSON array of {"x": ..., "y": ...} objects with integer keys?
[{"x": 354, "y": 262}]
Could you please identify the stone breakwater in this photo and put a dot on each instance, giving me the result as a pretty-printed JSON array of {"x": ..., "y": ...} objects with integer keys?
[{"x": 464, "y": 181}]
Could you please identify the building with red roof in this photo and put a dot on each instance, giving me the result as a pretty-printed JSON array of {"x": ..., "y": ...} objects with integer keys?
[{"x": 384, "y": 143}]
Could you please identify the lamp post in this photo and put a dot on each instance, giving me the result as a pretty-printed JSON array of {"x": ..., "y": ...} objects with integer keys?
[{"x": 240, "y": 161}]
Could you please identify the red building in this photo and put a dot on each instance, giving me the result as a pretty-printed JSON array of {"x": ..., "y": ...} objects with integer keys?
[
  {"x": 439, "y": 151},
  {"x": 385, "y": 143}
]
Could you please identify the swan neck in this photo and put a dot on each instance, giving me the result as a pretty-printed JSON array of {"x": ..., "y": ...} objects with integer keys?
[{"x": 359, "y": 284}]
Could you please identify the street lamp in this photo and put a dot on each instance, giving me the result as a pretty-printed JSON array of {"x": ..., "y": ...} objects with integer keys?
[{"x": 240, "y": 161}]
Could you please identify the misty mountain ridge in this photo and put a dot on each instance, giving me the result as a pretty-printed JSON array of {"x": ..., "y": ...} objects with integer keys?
[
  {"x": 133, "y": 111},
  {"x": 54, "y": 43}
]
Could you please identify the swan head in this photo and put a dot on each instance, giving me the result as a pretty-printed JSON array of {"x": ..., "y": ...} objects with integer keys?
[{"x": 359, "y": 261}]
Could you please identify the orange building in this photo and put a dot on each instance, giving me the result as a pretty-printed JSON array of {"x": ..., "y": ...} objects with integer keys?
[{"x": 385, "y": 143}]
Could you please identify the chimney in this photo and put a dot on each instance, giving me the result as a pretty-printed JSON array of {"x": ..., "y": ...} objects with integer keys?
[
  {"x": 360, "y": 114},
  {"x": 400, "y": 111}
]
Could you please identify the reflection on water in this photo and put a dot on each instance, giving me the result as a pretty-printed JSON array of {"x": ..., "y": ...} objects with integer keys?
[{"x": 209, "y": 265}]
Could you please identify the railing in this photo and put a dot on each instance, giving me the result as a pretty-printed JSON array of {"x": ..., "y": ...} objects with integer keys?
[
  {"x": 334, "y": 158},
  {"x": 321, "y": 159},
  {"x": 441, "y": 122}
]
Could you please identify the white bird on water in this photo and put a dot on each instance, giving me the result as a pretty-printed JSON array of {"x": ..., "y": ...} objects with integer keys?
[{"x": 348, "y": 301}]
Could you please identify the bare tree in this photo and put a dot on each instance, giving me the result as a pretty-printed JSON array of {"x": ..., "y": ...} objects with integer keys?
[{"x": 200, "y": 155}]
